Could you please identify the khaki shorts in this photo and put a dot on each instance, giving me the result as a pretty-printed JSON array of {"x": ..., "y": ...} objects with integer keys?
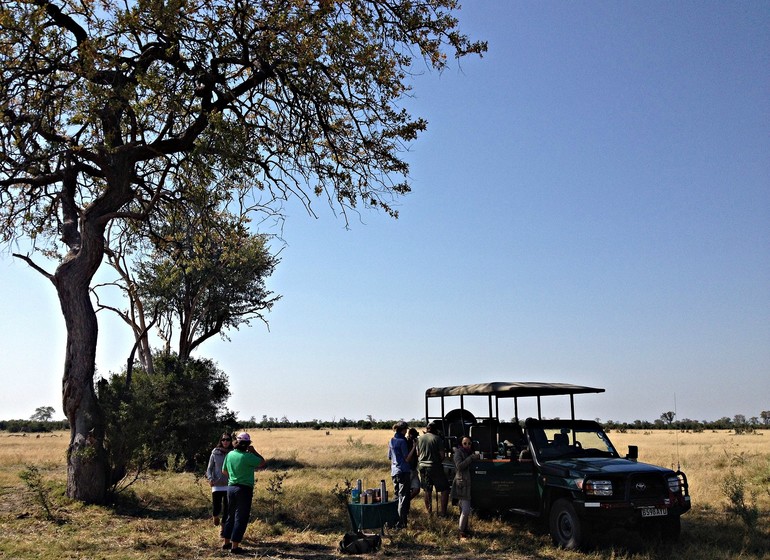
[{"x": 434, "y": 476}]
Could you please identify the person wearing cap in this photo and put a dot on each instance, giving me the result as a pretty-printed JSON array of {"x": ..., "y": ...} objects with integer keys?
[
  {"x": 239, "y": 466},
  {"x": 430, "y": 456},
  {"x": 400, "y": 471}
]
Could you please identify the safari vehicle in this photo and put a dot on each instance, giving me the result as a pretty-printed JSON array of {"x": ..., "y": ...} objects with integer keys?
[{"x": 566, "y": 472}]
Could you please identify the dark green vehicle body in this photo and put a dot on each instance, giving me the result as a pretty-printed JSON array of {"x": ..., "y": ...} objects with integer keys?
[{"x": 567, "y": 472}]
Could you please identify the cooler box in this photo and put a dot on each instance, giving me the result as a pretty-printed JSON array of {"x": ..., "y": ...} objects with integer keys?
[{"x": 373, "y": 516}]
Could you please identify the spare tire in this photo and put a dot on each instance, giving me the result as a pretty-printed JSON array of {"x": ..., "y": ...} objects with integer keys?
[{"x": 457, "y": 421}]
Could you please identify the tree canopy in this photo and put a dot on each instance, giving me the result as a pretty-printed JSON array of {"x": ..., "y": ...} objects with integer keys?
[
  {"x": 111, "y": 112},
  {"x": 199, "y": 272},
  {"x": 43, "y": 414}
]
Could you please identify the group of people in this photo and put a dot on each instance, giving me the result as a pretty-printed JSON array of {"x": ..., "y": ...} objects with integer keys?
[
  {"x": 418, "y": 462},
  {"x": 230, "y": 473}
]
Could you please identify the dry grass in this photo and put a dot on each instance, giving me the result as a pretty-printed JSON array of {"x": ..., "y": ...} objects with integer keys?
[
  {"x": 706, "y": 457},
  {"x": 47, "y": 451},
  {"x": 166, "y": 515}
]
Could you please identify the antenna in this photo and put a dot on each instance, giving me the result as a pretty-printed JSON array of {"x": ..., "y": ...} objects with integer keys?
[{"x": 678, "y": 465}]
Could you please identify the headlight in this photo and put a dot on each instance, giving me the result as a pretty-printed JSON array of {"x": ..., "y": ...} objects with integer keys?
[
  {"x": 674, "y": 484},
  {"x": 596, "y": 487}
]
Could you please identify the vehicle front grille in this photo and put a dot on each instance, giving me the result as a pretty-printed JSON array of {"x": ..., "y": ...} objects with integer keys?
[{"x": 645, "y": 486}]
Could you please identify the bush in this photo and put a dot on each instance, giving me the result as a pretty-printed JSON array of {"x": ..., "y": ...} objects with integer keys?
[
  {"x": 169, "y": 419},
  {"x": 41, "y": 493},
  {"x": 734, "y": 488}
]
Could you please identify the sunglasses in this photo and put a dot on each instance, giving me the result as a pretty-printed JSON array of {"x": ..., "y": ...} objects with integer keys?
[
  {"x": 466, "y": 443},
  {"x": 227, "y": 439}
]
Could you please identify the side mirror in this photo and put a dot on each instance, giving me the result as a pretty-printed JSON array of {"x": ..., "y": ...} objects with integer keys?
[{"x": 633, "y": 453}]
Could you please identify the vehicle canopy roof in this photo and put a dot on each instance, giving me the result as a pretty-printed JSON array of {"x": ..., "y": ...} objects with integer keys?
[
  {"x": 499, "y": 390},
  {"x": 502, "y": 389}
]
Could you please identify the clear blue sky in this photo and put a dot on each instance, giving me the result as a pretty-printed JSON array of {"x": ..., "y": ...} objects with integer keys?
[{"x": 591, "y": 204}]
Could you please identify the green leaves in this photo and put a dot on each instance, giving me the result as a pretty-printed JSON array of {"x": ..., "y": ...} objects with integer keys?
[
  {"x": 179, "y": 411},
  {"x": 206, "y": 274},
  {"x": 274, "y": 95},
  {"x": 124, "y": 116}
]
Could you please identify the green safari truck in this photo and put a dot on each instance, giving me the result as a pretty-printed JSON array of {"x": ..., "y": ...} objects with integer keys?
[{"x": 564, "y": 471}]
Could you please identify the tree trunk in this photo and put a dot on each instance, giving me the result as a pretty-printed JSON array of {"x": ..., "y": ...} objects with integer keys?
[
  {"x": 87, "y": 465},
  {"x": 83, "y": 232}
]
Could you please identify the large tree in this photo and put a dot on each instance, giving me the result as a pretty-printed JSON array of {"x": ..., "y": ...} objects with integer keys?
[
  {"x": 43, "y": 414},
  {"x": 194, "y": 271},
  {"x": 207, "y": 286},
  {"x": 108, "y": 108}
]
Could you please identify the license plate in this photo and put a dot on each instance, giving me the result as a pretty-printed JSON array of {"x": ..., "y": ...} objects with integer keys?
[{"x": 654, "y": 512}]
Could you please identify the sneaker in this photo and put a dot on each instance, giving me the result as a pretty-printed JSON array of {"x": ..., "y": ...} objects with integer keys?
[
  {"x": 238, "y": 550},
  {"x": 227, "y": 546}
]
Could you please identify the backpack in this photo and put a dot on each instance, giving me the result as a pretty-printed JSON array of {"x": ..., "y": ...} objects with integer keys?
[{"x": 360, "y": 543}]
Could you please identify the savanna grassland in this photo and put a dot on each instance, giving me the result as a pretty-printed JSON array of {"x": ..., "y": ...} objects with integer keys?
[{"x": 298, "y": 515}]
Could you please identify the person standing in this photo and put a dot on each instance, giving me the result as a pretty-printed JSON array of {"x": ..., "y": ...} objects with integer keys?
[
  {"x": 430, "y": 454},
  {"x": 400, "y": 472},
  {"x": 217, "y": 480},
  {"x": 239, "y": 466},
  {"x": 461, "y": 485},
  {"x": 411, "y": 440}
]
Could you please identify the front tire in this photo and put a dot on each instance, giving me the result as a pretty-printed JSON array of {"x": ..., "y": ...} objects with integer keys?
[
  {"x": 567, "y": 530},
  {"x": 670, "y": 529}
]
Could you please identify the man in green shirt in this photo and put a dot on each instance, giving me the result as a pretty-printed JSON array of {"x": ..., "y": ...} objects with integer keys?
[
  {"x": 430, "y": 451},
  {"x": 239, "y": 467}
]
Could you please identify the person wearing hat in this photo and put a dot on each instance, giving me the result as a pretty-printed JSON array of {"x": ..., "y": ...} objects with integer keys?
[
  {"x": 239, "y": 466},
  {"x": 400, "y": 471},
  {"x": 430, "y": 454}
]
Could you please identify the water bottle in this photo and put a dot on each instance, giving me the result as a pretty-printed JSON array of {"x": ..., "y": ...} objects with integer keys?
[
  {"x": 355, "y": 495},
  {"x": 383, "y": 492}
]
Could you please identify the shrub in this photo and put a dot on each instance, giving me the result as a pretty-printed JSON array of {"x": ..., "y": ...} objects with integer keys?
[
  {"x": 734, "y": 488},
  {"x": 168, "y": 419},
  {"x": 41, "y": 493}
]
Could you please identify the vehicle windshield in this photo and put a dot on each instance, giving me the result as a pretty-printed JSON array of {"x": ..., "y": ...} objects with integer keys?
[{"x": 569, "y": 442}]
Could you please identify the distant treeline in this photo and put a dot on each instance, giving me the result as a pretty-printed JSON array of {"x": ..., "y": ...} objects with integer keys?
[
  {"x": 368, "y": 424},
  {"x": 738, "y": 423},
  {"x": 683, "y": 426},
  {"x": 33, "y": 426}
]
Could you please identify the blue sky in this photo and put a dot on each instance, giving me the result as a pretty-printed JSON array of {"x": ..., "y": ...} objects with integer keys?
[{"x": 591, "y": 204}]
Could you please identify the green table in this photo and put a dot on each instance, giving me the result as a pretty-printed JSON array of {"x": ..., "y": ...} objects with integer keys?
[{"x": 373, "y": 516}]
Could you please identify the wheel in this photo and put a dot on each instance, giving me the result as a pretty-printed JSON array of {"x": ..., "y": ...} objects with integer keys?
[
  {"x": 567, "y": 530},
  {"x": 670, "y": 529}
]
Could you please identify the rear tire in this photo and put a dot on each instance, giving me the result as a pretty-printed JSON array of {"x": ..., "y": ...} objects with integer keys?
[{"x": 567, "y": 530}]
